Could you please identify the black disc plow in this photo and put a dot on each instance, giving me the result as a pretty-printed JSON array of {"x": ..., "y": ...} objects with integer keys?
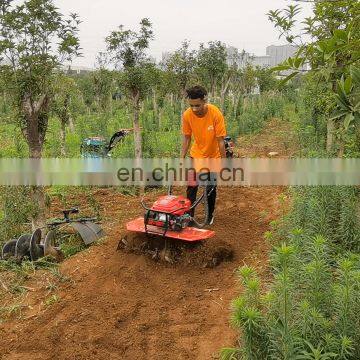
[{"x": 35, "y": 246}]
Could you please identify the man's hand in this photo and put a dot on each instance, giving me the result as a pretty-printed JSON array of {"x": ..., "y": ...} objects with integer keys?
[
  {"x": 186, "y": 140},
  {"x": 221, "y": 146}
]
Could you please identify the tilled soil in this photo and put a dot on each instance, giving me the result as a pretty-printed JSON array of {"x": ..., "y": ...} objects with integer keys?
[{"x": 126, "y": 305}]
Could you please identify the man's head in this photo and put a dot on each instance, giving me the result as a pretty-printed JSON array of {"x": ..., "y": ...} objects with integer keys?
[{"x": 197, "y": 97}]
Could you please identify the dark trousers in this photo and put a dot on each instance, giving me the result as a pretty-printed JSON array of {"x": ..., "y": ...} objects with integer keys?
[{"x": 191, "y": 193}]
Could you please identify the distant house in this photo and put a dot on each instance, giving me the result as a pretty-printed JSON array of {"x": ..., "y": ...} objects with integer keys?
[
  {"x": 76, "y": 70},
  {"x": 275, "y": 55},
  {"x": 279, "y": 53},
  {"x": 262, "y": 61}
]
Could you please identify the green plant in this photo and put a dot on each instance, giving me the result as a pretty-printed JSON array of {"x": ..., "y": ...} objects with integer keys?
[{"x": 51, "y": 300}]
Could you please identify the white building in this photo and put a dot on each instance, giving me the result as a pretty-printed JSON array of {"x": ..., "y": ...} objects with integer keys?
[
  {"x": 238, "y": 58},
  {"x": 279, "y": 53},
  {"x": 72, "y": 69},
  {"x": 275, "y": 55},
  {"x": 262, "y": 61}
]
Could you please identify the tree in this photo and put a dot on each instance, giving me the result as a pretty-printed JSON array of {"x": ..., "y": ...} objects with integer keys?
[
  {"x": 66, "y": 101},
  {"x": 127, "y": 49},
  {"x": 212, "y": 63},
  {"x": 35, "y": 39},
  {"x": 182, "y": 64},
  {"x": 332, "y": 50},
  {"x": 103, "y": 83},
  {"x": 265, "y": 79}
]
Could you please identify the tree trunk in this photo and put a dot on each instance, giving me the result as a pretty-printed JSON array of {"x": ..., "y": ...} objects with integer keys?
[
  {"x": 341, "y": 148},
  {"x": 236, "y": 104},
  {"x": 330, "y": 126},
  {"x": 224, "y": 90},
  {"x": 136, "y": 121},
  {"x": 172, "y": 100},
  {"x": 222, "y": 102},
  {"x": 37, "y": 193},
  {"x": 212, "y": 89},
  {"x": 35, "y": 113},
  {"x": 155, "y": 107},
  {"x": 38, "y": 219},
  {"x": 62, "y": 139},
  {"x": 71, "y": 124},
  {"x": 160, "y": 118},
  {"x": 182, "y": 105}
]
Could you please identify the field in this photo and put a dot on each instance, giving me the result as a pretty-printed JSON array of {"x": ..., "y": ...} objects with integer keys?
[
  {"x": 280, "y": 279},
  {"x": 113, "y": 301}
]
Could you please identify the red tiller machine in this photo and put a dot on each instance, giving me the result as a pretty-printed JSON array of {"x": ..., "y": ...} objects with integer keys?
[{"x": 170, "y": 217}]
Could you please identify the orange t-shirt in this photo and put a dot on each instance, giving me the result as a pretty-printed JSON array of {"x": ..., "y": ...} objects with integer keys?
[{"x": 205, "y": 130}]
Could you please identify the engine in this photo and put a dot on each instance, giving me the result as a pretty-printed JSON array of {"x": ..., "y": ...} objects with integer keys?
[{"x": 169, "y": 212}]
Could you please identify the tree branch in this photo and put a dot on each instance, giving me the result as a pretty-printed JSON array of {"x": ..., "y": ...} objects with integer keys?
[{"x": 40, "y": 103}]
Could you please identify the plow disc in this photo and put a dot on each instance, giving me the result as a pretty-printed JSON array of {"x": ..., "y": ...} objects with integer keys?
[
  {"x": 36, "y": 249},
  {"x": 8, "y": 249},
  {"x": 34, "y": 246},
  {"x": 22, "y": 248},
  {"x": 189, "y": 234},
  {"x": 50, "y": 249}
]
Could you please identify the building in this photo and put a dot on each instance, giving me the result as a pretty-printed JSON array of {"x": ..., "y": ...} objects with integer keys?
[
  {"x": 262, "y": 61},
  {"x": 238, "y": 58},
  {"x": 76, "y": 70},
  {"x": 275, "y": 55},
  {"x": 279, "y": 53}
]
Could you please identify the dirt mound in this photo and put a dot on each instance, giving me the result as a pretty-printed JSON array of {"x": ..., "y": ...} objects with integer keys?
[{"x": 208, "y": 253}]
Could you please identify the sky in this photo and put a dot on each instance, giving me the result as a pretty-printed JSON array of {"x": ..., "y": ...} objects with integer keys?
[{"x": 239, "y": 23}]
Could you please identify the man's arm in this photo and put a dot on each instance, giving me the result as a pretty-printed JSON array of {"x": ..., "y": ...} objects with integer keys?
[
  {"x": 186, "y": 140},
  {"x": 221, "y": 143}
]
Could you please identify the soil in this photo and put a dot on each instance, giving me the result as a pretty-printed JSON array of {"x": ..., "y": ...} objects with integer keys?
[{"x": 118, "y": 303}]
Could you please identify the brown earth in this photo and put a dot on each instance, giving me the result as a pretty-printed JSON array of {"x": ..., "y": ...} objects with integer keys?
[{"x": 122, "y": 305}]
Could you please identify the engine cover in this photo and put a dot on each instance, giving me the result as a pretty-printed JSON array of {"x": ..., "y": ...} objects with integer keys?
[{"x": 176, "y": 205}]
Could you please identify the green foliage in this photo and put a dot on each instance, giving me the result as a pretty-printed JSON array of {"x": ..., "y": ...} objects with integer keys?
[
  {"x": 255, "y": 111},
  {"x": 310, "y": 310},
  {"x": 16, "y": 211},
  {"x": 333, "y": 57},
  {"x": 70, "y": 245},
  {"x": 29, "y": 70},
  {"x": 211, "y": 61},
  {"x": 330, "y": 211},
  {"x": 51, "y": 300},
  {"x": 265, "y": 79},
  {"x": 181, "y": 64}
]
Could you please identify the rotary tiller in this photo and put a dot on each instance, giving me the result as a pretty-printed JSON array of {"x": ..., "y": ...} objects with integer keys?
[{"x": 170, "y": 217}]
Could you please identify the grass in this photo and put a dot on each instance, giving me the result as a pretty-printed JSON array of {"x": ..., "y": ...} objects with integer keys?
[
  {"x": 59, "y": 276},
  {"x": 51, "y": 300},
  {"x": 72, "y": 244},
  {"x": 13, "y": 310}
]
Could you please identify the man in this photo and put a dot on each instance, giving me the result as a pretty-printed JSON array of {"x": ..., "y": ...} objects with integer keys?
[{"x": 206, "y": 124}]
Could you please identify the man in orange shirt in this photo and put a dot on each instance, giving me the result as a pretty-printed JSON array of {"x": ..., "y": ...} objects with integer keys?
[{"x": 206, "y": 124}]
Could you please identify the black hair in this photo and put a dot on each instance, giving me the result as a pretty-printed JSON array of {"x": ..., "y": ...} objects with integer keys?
[{"x": 196, "y": 92}]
